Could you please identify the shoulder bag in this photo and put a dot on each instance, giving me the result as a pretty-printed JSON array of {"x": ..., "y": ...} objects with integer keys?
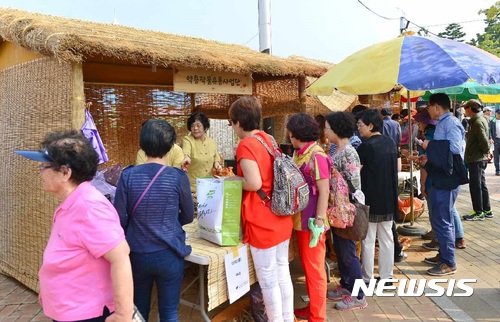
[{"x": 359, "y": 229}]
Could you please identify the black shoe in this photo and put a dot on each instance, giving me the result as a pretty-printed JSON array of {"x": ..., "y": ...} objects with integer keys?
[
  {"x": 385, "y": 283},
  {"x": 400, "y": 257},
  {"x": 421, "y": 197},
  {"x": 428, "y": 235},
  {"x": 433, "y": 260}
]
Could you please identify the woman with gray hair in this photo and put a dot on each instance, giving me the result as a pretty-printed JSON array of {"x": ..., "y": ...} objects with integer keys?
[{"x": 85, "y": 273}]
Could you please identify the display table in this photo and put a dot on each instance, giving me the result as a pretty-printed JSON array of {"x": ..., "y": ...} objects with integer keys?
[{"x": 211, "y": 272}]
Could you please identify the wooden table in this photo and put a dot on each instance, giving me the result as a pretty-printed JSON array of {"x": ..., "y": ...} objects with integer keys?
[{"x": 211, "y": 272}]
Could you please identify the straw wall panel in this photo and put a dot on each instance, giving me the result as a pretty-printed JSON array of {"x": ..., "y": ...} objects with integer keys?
[
  {"x": 278, "y": 97},
  {"x": 35, "y": 98},
  {"x": 119, "y": 112}
]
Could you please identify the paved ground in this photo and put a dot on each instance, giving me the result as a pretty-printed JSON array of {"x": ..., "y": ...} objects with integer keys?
[{"x": 480, "y": 260}]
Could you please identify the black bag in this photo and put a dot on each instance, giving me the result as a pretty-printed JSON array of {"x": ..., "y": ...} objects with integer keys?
[
  {"x": 257, "y": 307},
  {"x": 359, "y": 228}
]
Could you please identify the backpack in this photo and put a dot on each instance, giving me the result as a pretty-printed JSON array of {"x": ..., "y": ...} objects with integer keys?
[
  {"x": 290, "y": 192},
  {"x": 340, "y": 212}
]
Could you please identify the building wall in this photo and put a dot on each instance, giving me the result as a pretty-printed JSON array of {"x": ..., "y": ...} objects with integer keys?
[
  {"x": 12, "y": 54},
  {"x": 35, "y": 98}
]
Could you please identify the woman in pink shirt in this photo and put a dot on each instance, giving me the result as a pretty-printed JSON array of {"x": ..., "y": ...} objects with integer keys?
[{"x": 86, "y": 273}]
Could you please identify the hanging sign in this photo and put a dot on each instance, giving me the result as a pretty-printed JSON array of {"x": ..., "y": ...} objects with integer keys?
[
  {"x": 237, "y": 276},
  {"x": 205, "y": 81}
]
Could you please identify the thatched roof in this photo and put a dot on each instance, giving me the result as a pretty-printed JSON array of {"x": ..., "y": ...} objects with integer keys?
[
  {"x": 77, "y": 40},
  {"x": 335, "y": 102}
]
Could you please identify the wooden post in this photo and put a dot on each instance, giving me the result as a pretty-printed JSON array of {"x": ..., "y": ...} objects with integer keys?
[
  {"x": 302, "y": 93},
  {"x": 193, "y": 101},
  {"x": 77, "y": 97}
]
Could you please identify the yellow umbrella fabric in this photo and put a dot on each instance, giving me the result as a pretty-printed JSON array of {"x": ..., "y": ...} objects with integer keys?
[
  {"x": 489, "y": 98},
  {"x": 380, "y": 77},
  {"x": 416, "y": 62}
]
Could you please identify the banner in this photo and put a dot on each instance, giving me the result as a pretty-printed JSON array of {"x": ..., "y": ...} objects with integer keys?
[{"x": 206, "y": 81}]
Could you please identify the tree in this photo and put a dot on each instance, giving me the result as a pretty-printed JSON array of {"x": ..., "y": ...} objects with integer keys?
[
  {"x": 453, "y": 31},
  {"x": 423, "y": 31},
  {"x": 490, "y": 39}
]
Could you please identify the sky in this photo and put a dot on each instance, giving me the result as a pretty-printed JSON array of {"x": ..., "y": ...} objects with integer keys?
[{"x": 328, "y": 30}]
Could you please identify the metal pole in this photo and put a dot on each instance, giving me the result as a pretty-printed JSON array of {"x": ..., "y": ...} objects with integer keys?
[
  {"x": 410, "y": 148},
  {"x": 265, "y": 26}
]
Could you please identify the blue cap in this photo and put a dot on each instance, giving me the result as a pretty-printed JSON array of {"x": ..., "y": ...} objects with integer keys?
[{"x": 40, "y": 156}]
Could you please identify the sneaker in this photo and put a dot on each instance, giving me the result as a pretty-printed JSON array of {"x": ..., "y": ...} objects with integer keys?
[
  {"x": 433, "y": 245},
  {"x": 428, "y": 236},
  {"x": 351, "y": 303},
  {"x": 442, "y": 269},
  {"x": 488, "y": 214},
  {"x": 460, "y": 243},
  {"x": 474, "y": 216},
  {"x": 338, "y": 294},
  {"x": 388, "y": 283},
  {"x": 433, "y": 260},
  {"x": 400, "y": 257},
  {"x": 303, "y": 313}
]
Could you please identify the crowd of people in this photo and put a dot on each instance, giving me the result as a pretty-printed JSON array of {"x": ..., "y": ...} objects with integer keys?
[{"x": 118, "y": 251}]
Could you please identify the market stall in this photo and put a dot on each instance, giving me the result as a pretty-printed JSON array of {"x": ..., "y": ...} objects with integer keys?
[{"x": 50, "y": 67}]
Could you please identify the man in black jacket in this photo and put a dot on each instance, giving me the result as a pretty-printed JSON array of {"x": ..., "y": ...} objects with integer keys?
[{"x": 495, "y": 136}]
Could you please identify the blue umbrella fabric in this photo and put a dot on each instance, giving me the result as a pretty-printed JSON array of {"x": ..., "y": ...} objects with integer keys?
[
  {"x": 417, "y": 63},
  {"x": 89, "y": 130}
]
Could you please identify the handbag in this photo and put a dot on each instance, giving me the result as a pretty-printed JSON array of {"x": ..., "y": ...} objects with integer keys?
[
  {"x": 137, "y": 317},
  {"x": 359, "y": 229}
]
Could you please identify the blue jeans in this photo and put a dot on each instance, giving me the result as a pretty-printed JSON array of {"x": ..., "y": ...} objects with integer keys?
[
  {"x": 166, "y": 269},
  {"x": 348, "y": 262},
  {"x": 443, "y": 222},
  {"x": 459, "y": 228}
]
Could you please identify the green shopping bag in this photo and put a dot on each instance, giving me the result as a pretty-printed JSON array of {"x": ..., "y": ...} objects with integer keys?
[{"x": 219, "y": 210}]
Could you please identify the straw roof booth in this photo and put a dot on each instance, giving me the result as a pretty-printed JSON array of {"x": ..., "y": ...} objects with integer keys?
[{"x": 50, "y": 67}]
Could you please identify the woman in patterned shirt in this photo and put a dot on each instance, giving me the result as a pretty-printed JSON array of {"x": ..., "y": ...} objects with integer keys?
[{"x": 340, "y": 127}]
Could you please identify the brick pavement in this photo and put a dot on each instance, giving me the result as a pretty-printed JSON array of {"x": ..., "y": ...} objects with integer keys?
[{"x": 480, "y": 260}]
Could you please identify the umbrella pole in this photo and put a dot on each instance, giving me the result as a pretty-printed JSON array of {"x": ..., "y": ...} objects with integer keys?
[
  {"x": 454, "y": 104},
  {"x": 410, "y": 148},
  {"x": 411, "y": 229}
]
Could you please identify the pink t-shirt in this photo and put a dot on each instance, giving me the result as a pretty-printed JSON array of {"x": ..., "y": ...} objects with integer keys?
[{"x": 75, "y": 280}]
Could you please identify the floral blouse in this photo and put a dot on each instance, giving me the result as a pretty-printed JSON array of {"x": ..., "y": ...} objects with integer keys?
[{"x": 346, "y": 161}]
